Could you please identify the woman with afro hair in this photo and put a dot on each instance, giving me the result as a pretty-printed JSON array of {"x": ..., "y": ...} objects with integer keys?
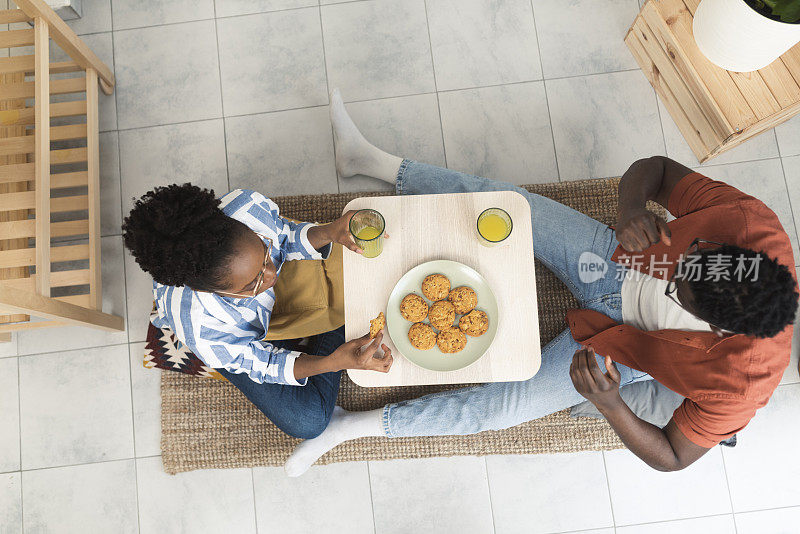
[{"x": 214, "y": 262}]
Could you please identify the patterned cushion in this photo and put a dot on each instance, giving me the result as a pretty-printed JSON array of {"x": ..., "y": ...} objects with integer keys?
[{"x": 164, "y": 351}]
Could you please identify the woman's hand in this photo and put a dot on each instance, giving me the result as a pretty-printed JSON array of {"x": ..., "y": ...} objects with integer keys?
[
  {"x": 638, "y": 229},
  {"x": 339, "y": 232},
  {"x": 360, "y": 354}
]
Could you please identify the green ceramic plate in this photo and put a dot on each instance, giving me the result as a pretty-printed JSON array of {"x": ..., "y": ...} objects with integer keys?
[{"x": 434, "y": 359}]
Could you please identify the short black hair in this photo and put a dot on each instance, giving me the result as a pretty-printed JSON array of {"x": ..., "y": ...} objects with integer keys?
[
  {"x": 760, "y": 304},
  {"x": 180, "y": 236}
]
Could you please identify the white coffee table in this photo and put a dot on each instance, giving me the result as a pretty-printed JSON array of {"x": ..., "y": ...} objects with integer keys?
[{"x": 422, "y": 228}]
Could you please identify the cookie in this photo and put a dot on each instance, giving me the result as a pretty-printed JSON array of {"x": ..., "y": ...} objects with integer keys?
[
  {"x": 413, "y": 308},
  {"x": 436, "y": 287},
  {"x": 474, "y": 324},
  {"x": 442, "y": 314},
  {"x": 376, "y": 325},
  {"x": 421, "y": 336},
  {"x": 463, "y": 299},
  {"x": 451, "y": 340}
]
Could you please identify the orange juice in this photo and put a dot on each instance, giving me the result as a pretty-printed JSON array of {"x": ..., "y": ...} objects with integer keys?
[
  {"x": 370, "y": 240},
  {"x": 493, "y": 227}
]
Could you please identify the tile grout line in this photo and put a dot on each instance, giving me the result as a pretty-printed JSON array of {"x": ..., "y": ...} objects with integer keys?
[
  {"x": 786, "y": 183},
  {"x": 328, "y": 93},
  {"x": 544, "y": 86},
  {"x": 608, "y": 487},
  {"x": 93, "y": 462},
  {"x": 253, "y": 482},
  {"x": 435, "y": 82},
  {"x": 489, "y": 490},
  {"x": 728, "y": 486},
  {"x": 19, "y": 427},
  {"x": 221, "y": 98},
  {"x": 78, "y": 348},
  {"x": 124, "y": 271},
  {"x": 682, "y": 519},
  {"x": 371, "y": 499}
]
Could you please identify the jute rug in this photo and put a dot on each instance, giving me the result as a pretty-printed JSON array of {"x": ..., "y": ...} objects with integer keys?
[{"x": 209, "y": 424}]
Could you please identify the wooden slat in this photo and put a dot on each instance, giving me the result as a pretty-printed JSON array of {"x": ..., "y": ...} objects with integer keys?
[
  {"x": 756, "y": 92},
  {"x": 13, "y": 38},
  {"x": 93, "y": 171},
  {"x": 83, "y": 301},
  {"x": 25, "y": 64},
  {"x": 42, "y": 155},
  {"x": 28, "y": 200},
  {"x": 16, "y": 145},
  {"x": 9, "y": 16},
  {"x": 25, "y": 144},
  {"x": 57, "y": 87},
  {"x": 57, "y": 109},
  {"x": 28, "y": 325},
  {"x": 719, "y": 92},
  {"x": 707, "y": 130},
  {"x": 70, "y": 43},
  {"x": 21, "y": 301},
  {"x": 24, "y": 257},
  {"x": 781, "y": 83},
  {"x": 757, "y": 128},
  {"x": 676, "y": 107},
  {"x": 791, "y": 60},
  {"x": 68, "y": 155},
  {"x": 71, "y": 131},
  {"x": 76, "y": 277},
  {"x": 15, "y": 162},
  {"x": 27, "y": 228},
  {"x": 68, "y": 179},
  {"x": 15, "y": 172},
  {"x": 74, "y": 203}
]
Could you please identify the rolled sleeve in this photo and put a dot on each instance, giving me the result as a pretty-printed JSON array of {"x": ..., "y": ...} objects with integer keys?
[
  {"x": 313, "y": 253},
  {"x": 712, "y": 421},
  {"x": 288, "y": 370}
]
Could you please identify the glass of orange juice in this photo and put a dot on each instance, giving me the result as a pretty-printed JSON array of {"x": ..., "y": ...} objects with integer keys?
[
  {"x": 494, "y": 226},
  {"x": 367, "y": 227}
]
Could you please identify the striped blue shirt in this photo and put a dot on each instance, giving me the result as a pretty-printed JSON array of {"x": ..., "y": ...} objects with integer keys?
[{"x": 227, "y": 333}]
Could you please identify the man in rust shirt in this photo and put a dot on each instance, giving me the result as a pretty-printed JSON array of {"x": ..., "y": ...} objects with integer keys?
[{"x": 703, "y": 304}]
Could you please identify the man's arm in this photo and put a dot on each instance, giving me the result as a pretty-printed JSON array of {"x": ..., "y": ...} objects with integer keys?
[
  {"x": 664, "y": 449},
  {"x": 654, "y": 179}
]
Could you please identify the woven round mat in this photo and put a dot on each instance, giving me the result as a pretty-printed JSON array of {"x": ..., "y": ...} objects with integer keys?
[{"x": 209, "y": 424}]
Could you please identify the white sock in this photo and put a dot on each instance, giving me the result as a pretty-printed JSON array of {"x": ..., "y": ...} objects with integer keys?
[
  {"x": 343, "y": 426},
  {"x": 354, "y": 154}
]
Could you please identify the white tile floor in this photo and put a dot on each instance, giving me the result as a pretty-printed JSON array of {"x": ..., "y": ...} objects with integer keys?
[{"x": 525, "y": 91}]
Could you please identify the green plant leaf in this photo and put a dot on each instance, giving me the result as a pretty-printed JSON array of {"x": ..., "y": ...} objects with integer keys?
[{"x": 787, "y": 10}]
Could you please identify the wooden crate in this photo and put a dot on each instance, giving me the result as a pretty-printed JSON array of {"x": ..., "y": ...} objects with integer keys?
[
  {"x": 714, "y": 109},
  {"x": 49, "y": 176}
]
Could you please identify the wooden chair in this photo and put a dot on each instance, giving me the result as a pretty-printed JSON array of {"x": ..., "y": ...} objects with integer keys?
[{"x": 49, "y": 176}]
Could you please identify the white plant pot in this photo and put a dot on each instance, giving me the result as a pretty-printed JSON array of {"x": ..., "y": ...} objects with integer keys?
[{"x": 734, "y": 36}]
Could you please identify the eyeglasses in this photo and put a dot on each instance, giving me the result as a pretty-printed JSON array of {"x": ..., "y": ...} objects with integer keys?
[
  {"x": 259, "y": 280},
  {"x": 672, "y": 286}
]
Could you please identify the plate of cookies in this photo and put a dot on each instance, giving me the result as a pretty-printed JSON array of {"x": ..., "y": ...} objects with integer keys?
[{"x": 442, "y": 315}]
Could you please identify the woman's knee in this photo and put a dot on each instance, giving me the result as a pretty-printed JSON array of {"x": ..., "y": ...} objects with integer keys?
[{"x": 308, "y": 427}]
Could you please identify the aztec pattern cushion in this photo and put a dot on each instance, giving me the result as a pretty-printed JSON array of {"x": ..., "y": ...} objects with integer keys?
[{"x": 164, "y": 351}]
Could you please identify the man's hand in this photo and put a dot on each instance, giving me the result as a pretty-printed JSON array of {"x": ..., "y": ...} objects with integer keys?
[
  {"x": 602, "y": 389},
  {"x": 360, "y": 354},
  {"x": 640, "y": 228}
]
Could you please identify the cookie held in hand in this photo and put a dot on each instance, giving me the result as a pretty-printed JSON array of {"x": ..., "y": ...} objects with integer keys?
[{"x": 376, "y": 325}]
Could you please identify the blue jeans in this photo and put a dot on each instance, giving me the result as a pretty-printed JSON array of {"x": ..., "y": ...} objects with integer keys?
[
  {"x": 300, "y": 411},
  {"x": 560, "y": 235}
]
